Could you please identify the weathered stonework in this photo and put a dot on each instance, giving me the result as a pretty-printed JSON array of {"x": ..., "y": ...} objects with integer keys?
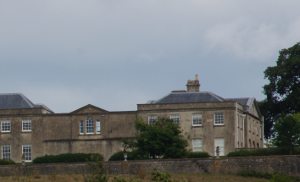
[
  {"x": 289, "y": 165},
  {"x": 55, "y": 133}
]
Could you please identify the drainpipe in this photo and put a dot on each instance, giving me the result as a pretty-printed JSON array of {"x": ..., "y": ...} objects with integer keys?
[{"x": 236, "y": 128}]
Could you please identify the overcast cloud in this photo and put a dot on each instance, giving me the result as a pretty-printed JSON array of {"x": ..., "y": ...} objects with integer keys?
[{"x": 116, "y": 54}]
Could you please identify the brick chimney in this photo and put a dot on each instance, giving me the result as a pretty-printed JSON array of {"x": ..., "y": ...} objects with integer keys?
[{"x": 193, "y": 85}]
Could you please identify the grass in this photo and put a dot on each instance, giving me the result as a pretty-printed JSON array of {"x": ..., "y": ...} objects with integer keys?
[{"x": 181, "y": 177}]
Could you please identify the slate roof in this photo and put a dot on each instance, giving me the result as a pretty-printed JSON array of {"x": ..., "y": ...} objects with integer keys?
[
  {"x": 184, "y": 97},
  {"x": 17, "y": 101},
  {"x": 189, "y": 97}
]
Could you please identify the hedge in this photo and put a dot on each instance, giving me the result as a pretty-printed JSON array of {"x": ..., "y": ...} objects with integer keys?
[
  {"x": 133, "y": 155},
  {"x": 119, "y": 156},
  {"x": 198, "y": 155},
  {"x": 263, "y": 152},
  {"x": 6, "y": 162},
  {"x": 68, "y": 157}
]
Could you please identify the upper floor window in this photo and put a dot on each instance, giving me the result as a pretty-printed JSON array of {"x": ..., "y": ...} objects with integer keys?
[
  {"x": 151, "y": 118},
  {"x": 26, "y": 125},
  {"x": 5, "y": 126},
  {"x": 89, "y": 125},
  {"x": 81, "y": 127},
  {"x": 98, "y": 128},
  {"x": 175, "y": 118},
  {"x": 219, "y": 118},
  {"x": 197, "y": 119}
]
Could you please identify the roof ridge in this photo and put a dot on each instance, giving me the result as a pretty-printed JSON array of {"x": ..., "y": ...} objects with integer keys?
[
  {"x": 216, "y": 96},
  {"x": 27, "y": 100}
]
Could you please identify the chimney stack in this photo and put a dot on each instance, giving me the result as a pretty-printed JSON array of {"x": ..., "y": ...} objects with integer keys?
[{"x": 193, "y": 85}]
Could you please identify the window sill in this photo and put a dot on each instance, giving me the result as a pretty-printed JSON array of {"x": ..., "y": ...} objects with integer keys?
[
  {"x": 26, "y": 131},
  {"x": 221, "y": 125},
  {"x": 88, "y": 134},
  {"x": 5, "y": 132},
  {"x": 197, "y": 126}
]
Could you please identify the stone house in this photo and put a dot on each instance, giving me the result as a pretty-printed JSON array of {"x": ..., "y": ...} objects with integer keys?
[{"x": 209, "y": 120}]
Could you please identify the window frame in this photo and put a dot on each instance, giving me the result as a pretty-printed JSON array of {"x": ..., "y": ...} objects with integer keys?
[
  {"x": 27, "y": 155},
  {"x": 2, "y": 126},
  {"x": 29, "y": 124},
  {"x": 175, "y": 116},
  {"x": 215, "y": 114},
  {"x": 98, "y": 122},
  {"x": 194, "y": 141},
  {"x": 194, "y": 117},
  {"x": 89, "y": 125},
  {"x": 151, "y": 118},
  {"x": 221, "y": 149},
  {"x": 5, "y": 153},
  {"x": 81, "y": 127}
]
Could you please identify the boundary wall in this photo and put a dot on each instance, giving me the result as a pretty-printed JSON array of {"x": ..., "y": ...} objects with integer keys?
[{"x": 289, "y": 165}]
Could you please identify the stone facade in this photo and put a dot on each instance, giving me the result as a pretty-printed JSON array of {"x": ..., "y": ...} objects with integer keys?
[{"x": 208, "y": 119}]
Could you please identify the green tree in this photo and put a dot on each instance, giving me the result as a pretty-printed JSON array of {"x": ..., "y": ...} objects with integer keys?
[
  {"x": 283, "y": 91},
  {"x": 161, "y": 138},
  {"x": 287, "y": 131}
]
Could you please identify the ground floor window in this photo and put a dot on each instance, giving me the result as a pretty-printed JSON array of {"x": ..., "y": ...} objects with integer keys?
[
  {"x": 6, "y": 152},
  {"x": 219, "y": 142},
  {"x": 26, "y": 150},
  {"x": 197, "y": 145}
]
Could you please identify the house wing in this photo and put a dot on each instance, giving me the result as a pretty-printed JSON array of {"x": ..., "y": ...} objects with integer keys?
[
  {"x": 88, "y": 109},
  {"x": 254, "y": 110}
]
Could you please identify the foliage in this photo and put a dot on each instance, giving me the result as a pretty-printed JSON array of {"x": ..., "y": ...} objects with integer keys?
[
  {"x": 123, "y": 180},
  {"x": 198, "y": 155},
  {"x": 279, "y": 177},
  {"x": 287, "y": 131},
  {"x": 68, "y": 157},
  {"x": 263, "y": 152},
  {"x": 133, "y": 155},
  {"x": 160, "y": 176},
  {"x": 254, "y": 174},
  {"x": 98, "y": 174},
  {"x": 6, "y": 162},
  {"x": 269, "y": 143},
  {"x": 282, "y": 92},
  {"x": 161, "y": 138}
]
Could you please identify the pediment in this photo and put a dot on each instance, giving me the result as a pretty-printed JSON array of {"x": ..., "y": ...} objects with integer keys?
[{"x": 88, "y": 109}]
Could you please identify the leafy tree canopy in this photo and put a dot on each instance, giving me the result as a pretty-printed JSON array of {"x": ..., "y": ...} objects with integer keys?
[
  {"x": 283, "y": 91},
  {"x": 161, "y": 138},
  {"x": 287, "y": 131}
]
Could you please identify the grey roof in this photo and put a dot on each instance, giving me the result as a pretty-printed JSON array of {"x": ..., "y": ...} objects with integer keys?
[
  {"x": 184, "y": 97},
  {"x": 17, "y": 101},
  {"x": 188, "y": 97},
  {"x": 246, "y": 101}
]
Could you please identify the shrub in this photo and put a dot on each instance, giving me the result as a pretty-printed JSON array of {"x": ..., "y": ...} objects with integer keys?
[
  {"x": 119, "y": 156},
  {"x": 263, "y": 152},
  {"x": 198, "y": 155},
  {"x": 254, "y": 174},
  {"x": 68, "y": 157},
  {"x": 133, "y": 155},
  {"x": 6, "y": 162},
  {"x": 279, "y": 177}
]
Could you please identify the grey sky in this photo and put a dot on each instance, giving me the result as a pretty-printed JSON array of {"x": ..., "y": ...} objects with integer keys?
[{"x": 116, "y": 54}]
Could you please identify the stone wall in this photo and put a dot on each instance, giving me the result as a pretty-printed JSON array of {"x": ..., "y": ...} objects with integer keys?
[{"x": 289, "y": 165}]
